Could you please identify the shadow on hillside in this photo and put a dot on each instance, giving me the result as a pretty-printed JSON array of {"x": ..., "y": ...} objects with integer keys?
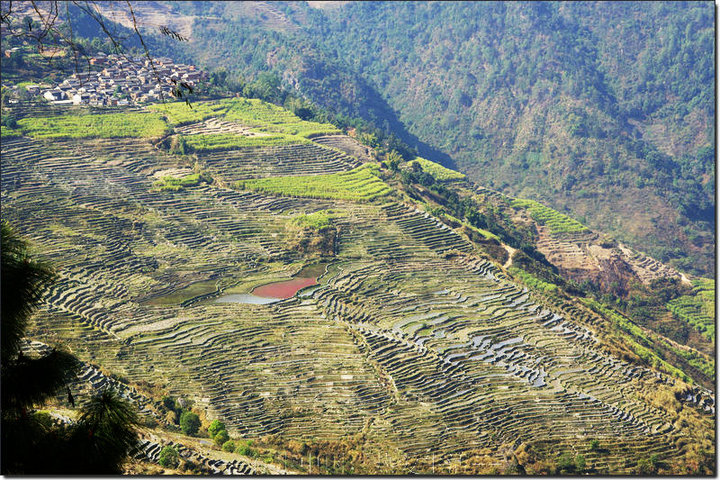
[{"x": 385, "y": 117}]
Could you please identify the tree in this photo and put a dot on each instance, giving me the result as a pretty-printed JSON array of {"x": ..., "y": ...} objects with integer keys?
[
  {"x": 106, "y": 434},
  {"x": 26, "y": 381},
  {"x": 579, "y": 463},
  {"x": 215, "y": 427},
  {"x": 169, "y": 457},
  {"x": 189, "y": 422},
  {"x": 228, "y": 446},
  {"x": 394, "y": 159},
  {"x": 267, "y": 86},
  {"x": 169, "y": 403},
  {"x": 565, "y": 463},
  {"x": 244, "y": 448},
  {"x": 221, "y": 437}
]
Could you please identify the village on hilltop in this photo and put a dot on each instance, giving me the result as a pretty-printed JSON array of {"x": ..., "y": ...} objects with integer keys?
[{"x": 122, "y": 81}]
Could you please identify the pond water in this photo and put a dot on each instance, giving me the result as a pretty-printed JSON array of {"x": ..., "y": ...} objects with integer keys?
[
  {"x": 273, "y": 292},
  {"x": 245, "y": 298},
  {"x": 285, "y": 289}
]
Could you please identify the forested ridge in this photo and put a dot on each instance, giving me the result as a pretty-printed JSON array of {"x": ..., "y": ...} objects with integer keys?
[{"x": 593, "y": 108}]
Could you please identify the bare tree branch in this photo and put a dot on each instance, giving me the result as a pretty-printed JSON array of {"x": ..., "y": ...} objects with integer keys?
[{"x": 51, "y": 33}]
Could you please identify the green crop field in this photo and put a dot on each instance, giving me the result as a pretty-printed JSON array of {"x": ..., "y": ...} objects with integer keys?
[
  {"x": 180, "y": 113},
  {"x": 315, "y": 221},
  {"x": 698, "y": 309},
  {"x": 556, "y": 221},
  {"x": 229, "y": 141},
  {"x": 246, "y": 111},
  {"x": 532, "y": 281},
  {"x": 358, "y": 184},
  {"x": 302, "y": 128},
  {"x": 7, "y": 132},
  {"x": 437, "y": 171},
  {"x": 174, "y": 184},
  {"x": 108, "y": 125}
]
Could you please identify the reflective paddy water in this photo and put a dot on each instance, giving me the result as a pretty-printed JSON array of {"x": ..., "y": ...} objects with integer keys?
[
  {"x": 284, "y": 289},
  {"x": 245, "y": 298},
  {"x": 273, "y": 292}
]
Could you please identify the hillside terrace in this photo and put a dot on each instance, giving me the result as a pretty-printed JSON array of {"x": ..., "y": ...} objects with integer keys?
[{"x": 123, "y": 81}]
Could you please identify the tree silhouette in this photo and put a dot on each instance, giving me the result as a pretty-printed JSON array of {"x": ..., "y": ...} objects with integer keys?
[
  {"x": 105, "y": 435},
  {"x": 32, "y": 443},
  {"x": 26, "y": 380},
  {"x": 23, "y": 281}
]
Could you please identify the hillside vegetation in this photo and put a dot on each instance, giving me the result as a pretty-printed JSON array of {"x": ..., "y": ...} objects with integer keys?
[
  {"x": 447, "y": 331},
  {"x": 591, "y": 108},
  {"x": 357, "y": 184}
]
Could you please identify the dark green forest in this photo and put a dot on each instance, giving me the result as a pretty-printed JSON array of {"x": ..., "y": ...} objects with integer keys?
[{"x": 592, "y": 108}]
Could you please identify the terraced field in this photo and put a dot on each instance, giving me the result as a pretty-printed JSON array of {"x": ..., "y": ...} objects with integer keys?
[
  {"x": 699, "y": 309},
  {"x": 412, "y": 342},
  {"x": 437, "y": 171},
  {"x": 577, "y": 251}
]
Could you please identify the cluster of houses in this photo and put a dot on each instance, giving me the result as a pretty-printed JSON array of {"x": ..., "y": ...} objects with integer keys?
[{"x": 122, "y": 81}]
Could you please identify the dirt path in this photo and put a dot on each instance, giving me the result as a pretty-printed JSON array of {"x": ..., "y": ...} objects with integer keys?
[{"x": 510, "y": 251}]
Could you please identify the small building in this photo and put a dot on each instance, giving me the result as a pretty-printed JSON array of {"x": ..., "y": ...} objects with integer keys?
[
  {"x": 54, "y": 95},
  {"x": 80, "y": 98}
]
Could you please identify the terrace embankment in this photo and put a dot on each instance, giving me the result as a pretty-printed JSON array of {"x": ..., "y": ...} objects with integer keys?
[{"x": 412, "y": 344}]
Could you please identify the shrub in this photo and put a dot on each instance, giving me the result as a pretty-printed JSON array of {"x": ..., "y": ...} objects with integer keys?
[
  {"x": 169, "y": 457},
  {"x": 189, "y": 422},
  {"x": 565, "y": 463},
  {"x": 171, "y": 417},
  {"x": 228, "y": 446},
  {"x": 644, "y": 467},
  {"x": 169, "y": 403},
  {"x": 9, "y": 122},
  {"x": 594, "y": 445},
  {"x": 44, "y": 419},
  {"x": 215, "y": 427},
  {"x": 246, "y": 450},
  {"x": 579, "y": 463},
  {"x": 221, "y": 437}
]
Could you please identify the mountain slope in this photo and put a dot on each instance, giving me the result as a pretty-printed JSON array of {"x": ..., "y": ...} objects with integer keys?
[
  {"x": 591, "y": 108},
  {"x": 416, "y": 352}
]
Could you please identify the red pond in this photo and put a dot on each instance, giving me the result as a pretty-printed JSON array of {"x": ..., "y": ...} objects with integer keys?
[{"x": 284, "y": 289}]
